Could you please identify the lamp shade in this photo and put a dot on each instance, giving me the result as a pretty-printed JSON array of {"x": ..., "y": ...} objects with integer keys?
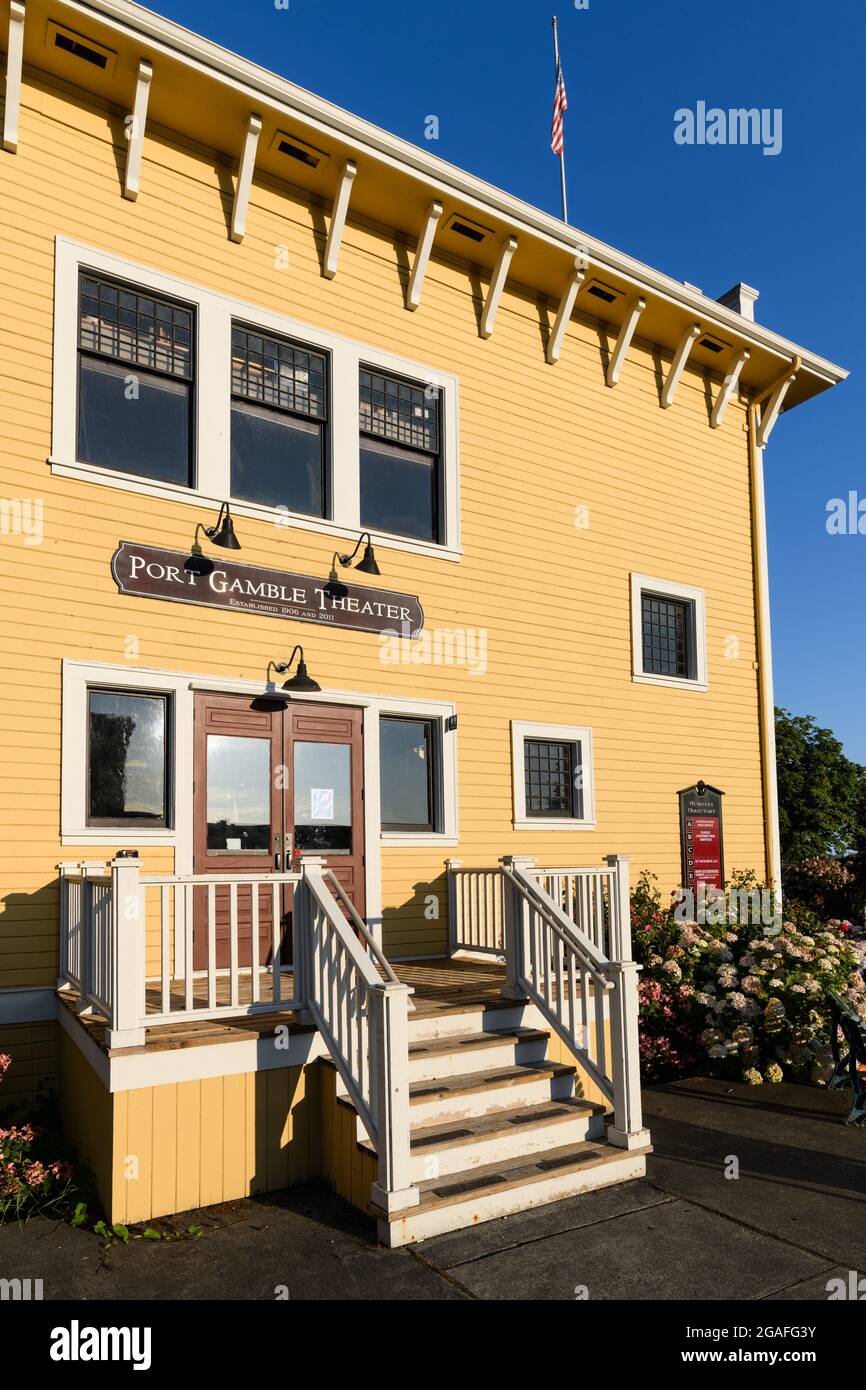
[
  {"x": 301, "y": 680},
  {"x": 368, "y": 564},
  {"x": 224, "y": 535}
]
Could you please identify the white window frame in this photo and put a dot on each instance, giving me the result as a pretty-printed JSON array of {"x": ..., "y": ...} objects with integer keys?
[
  {"x": 79, "y": 676},
  {"x": 445, "y": 784},
  {"x": 564, "y": 733},
  {"x": 667, "y": 588},
  {"x": 215, "y": 313}
]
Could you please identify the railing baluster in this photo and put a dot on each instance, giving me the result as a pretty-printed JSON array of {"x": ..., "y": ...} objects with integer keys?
[
  {"x": 255, "y": 983},
  {"x": 210, "y": 930},
  {"x": 276, "y": 925},
  {"x": 187, "y": 936},
  {"x": 165, "y": 965},
  {"x": 233, "y": 945}
]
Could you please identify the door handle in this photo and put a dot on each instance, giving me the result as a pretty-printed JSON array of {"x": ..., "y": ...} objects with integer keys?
[{"x": 277, "y": 861}]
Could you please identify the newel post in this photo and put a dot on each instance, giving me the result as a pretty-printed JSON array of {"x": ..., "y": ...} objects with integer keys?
[
  {"x": 389, "y": 1024},
  {"x": 514, "y": 914},
  {"x": 627, "y": 1130},
  {"x": 127, "y": 953},
  {"x": 302, "y": 937},
  {"x": 452, "y": 865}
]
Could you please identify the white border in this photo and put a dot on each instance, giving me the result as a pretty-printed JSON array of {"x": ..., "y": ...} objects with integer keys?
[
  {"x": 570, "y": 733},
  {"x": 214, "y": 314},
  {"x": 668, "y": 588},
  {"x": 79, "y": 675}
]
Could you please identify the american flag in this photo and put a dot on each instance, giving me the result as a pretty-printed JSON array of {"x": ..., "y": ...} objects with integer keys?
[{"x": 560, "y": 105}]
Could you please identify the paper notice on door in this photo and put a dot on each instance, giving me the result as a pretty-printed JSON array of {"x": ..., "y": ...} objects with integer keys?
[
  {"x": 321, "y": 803},
  {"x": 234, "y": 844}
]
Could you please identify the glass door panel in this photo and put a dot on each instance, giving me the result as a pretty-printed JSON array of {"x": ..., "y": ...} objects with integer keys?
[
  {"x": 238, "y": 795},
  {"x": 323, "y": 798}
]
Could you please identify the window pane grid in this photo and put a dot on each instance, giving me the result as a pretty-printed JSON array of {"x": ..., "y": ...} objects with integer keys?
[
  {"x": 549, "y": 770},
  {"x": 136, "y": 328},
  {"x": 275, "y": 372},
  {"x": 665, "y": 636},
  {"x": 397, "y": 410}
]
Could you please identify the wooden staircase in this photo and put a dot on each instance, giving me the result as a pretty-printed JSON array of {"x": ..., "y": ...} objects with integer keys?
[{"x": 495, "y": 1126}]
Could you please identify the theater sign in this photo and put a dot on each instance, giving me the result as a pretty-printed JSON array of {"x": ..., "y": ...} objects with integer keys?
[{"x": 148, "y": 572}]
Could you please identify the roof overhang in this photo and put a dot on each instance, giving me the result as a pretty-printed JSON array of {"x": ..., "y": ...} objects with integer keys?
[{"x": 397, "y": 183}]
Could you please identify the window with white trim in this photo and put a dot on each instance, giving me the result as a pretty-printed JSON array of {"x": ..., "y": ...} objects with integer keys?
[
  {"x": 165, "y": 387},
  {"x": 552, "y": 770},
  {"x": 409, "y": 770},
  {"x": 128, "y": 758},
  {"x": 668, "y": 633}
]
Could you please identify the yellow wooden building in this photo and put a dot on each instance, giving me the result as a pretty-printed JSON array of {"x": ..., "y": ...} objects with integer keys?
[{"x": 274, "y": 377}]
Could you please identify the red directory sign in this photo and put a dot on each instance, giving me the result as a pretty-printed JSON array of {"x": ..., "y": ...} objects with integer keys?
[{"x": 701, "y": 836}]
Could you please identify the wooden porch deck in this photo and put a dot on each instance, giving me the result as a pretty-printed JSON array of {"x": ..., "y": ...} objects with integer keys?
[{"x": 438, "y": 984}]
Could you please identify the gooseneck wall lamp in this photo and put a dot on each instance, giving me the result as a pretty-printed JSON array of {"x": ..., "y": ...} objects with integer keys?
[
  {"x": 301, "y": 680},
  {"x": 335, "y": 588},
  {"x": 222, "y": 534}
]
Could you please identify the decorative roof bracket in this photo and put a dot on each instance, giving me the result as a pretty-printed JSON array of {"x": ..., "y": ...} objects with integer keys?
[
  {"x": 246, "y": 165},
  {"x": 728, "y": 387},
  {"x": 681, "y": 357},
  {"x": 623, "y": 342},
  {"x": 339, "y": 213},
  {"x": 422, "y": 255},
  {"x": 14, "y": 66},
  {"x": 507, "y": 248},
  {"x": 566, "y": 304},
  {"x": 135, "y": 125}
]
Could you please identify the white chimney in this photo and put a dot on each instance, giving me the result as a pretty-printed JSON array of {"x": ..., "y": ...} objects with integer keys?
[{"x": 741, "y": 299}]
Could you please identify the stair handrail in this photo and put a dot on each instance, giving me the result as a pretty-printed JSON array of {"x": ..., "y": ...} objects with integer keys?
[
  {"x": 363, "y": 930},
  {"x": 368, "y": 1039},
  {"x": 569, "y": 933}
]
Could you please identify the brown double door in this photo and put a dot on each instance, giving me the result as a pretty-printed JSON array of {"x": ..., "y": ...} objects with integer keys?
[{"x": 272, "y": 780}]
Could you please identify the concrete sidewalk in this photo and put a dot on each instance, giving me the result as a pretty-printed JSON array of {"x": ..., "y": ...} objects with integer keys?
[{"x": 794, "y": 1218}]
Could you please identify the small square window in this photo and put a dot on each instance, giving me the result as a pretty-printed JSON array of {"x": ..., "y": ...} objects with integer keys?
[
  {"x": 668, "y": 633},
  {"x": 668, "y": 643},
  {"x": 127, "y": 759},
  {"x": 553, "y": 776}
]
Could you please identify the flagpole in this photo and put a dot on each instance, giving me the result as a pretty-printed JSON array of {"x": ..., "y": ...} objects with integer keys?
[{"x": 562, "y": 156}]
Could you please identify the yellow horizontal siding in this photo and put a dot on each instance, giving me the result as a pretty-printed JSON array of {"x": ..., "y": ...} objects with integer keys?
[{"x": 666, "y": 496}]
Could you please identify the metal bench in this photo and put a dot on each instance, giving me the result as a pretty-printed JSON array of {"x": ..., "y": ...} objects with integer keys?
[{"x": 850, "y": 1069}]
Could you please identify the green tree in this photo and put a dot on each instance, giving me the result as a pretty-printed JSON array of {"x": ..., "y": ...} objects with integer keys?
[{"x": 822, "y": 794}]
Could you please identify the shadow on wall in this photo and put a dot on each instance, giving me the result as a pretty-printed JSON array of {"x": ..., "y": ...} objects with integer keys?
[{"x": 419, "y": 925}]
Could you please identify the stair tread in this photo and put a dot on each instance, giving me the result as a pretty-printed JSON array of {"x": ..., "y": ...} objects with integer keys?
[
  {"x": 438, "y": 1047},
  {"x": 475, "y": 1183},
  {"x": 452, "y": 1133},
  {"x": 481, "y": 1080}
]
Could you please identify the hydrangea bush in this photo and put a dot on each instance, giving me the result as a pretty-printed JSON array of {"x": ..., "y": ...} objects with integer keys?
[
  {"x": 740, "y": 999},
  {"x": 30, "y": 1182}
]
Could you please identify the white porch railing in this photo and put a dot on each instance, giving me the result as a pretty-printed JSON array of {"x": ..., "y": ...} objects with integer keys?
[
  {"x": 363, "y": 1018},
  {"x": 565, "y": 936},
  {"x": 141, "y": 950}
]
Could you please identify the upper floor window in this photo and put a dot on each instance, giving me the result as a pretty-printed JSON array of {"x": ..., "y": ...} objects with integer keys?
[
  {"x": 668, "y": 633},
  {"x": 401, "y": 463},
  {"x": 135, "y": 381},
  {"x": 279, "y": 422}
]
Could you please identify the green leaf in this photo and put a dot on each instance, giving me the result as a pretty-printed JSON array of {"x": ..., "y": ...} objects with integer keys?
[
  {"x": 150, "y": 1234},
  {"x": 79, "y": 1216},
  {"x": 122, "y": 1233}
]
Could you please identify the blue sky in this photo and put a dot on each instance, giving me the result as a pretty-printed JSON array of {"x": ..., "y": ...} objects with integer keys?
[{"x": 792, "y": 224}]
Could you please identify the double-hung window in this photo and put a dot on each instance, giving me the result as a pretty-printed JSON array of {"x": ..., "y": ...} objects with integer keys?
[
  {"x": 668, "y": 633},
  {"x": 135, "y": 381},
  {"x": 279, "y": 422},
  {"x": 401, "y": 459}
]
